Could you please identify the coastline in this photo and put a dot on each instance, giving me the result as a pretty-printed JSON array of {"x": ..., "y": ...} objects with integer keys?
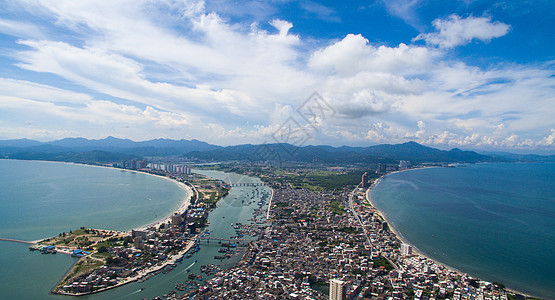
[
  {"x": 140, "y": 275},
  {"x": 183, "y": 204},
  {"x": 416, "y": 250},
  {"x": 393, "y": 229}
]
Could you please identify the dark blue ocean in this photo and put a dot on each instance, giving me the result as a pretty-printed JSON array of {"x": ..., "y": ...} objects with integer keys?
[{"x": 492, "y": 221}]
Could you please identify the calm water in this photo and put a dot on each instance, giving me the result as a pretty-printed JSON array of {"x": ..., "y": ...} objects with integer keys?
[
  {"x": 492, "y": 221},
  {"x": 41, "y": 199},
  {"x": 231, "y": 209}
]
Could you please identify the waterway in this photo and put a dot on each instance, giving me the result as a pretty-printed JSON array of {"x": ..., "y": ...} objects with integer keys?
[{"x": 41, "y": 199}]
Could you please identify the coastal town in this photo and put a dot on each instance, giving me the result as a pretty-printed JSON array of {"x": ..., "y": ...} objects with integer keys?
[
  {"x": 302, "y": 244},
  {"x": 321, "y": 247},
  {"x": 277, "y": 150},
  {"x": 108, "y": 258}
]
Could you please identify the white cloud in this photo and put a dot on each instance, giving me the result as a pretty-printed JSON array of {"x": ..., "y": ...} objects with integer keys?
[
  {"x": 455, "y": 31},
  {"x": 354, "y": 54},
  {"x": 41, "y": 92},
  {"x": 548, "y": 140},
  {"x": 405, "y": 10},
  {"x": 321, "y": 11},
  {"x": 282, "y": 26},
  {"x": 146, "y": 69},
  {"x": 122, "y": 77},
  {"x": 20, "y": 29}
]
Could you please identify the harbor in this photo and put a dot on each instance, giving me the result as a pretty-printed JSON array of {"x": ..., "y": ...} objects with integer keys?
[{"x": 231, "y": 224}]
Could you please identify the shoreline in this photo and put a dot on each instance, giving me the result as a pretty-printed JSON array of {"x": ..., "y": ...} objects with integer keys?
[
  {"x": 139, "y": 276},
  {"x": 183, "y": 203},
  {"x": 416, "y": 250},
  {"x": 393, "y": 229}
]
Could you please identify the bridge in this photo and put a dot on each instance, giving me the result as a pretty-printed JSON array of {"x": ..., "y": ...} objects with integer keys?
[
  {"x": 248, "y": 184},
  {"x": 220, "y": 240}
]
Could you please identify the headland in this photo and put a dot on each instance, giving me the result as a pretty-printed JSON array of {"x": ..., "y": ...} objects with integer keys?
[{"x": 111, "y": 258}]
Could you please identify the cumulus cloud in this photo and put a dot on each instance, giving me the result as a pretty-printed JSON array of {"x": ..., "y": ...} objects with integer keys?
[
  {"x": 145, "y": 69},
  {"x": 548, "y": 140},
  {"x": 354, "y": 54},
  {"x": 455, "y": 31}
]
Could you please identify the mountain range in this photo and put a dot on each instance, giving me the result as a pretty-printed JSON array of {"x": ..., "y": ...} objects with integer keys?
[{"x": 113, "y": 149}]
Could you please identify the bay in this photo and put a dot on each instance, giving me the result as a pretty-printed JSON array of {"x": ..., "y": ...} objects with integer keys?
[
  {"x": 41, "y": 199},
  {"x": 38, "y": 199},
  {"x": 492, "y": 221}
]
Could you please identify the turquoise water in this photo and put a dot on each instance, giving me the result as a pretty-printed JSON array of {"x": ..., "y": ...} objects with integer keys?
[
  {"x": 229, "y": 210},
  {"x": 492, "y": 221},
  {"x": 42, "y": 199},
  {"x": 37, "y": 199}
]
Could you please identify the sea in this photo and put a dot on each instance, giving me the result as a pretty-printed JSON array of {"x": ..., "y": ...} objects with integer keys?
[
  {"x": 495, "y": 222},
  {"x": 42, "y": 199}
]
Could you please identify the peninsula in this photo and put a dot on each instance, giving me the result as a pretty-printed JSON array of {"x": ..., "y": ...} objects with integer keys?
[{"x": 109, "y": 258}]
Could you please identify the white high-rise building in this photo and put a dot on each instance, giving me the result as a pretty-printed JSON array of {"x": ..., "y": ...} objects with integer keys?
[
  {"x": 404, "y": 164},
  {"x": 406, "y": 249},
  {"x": 337, "y": 289}
]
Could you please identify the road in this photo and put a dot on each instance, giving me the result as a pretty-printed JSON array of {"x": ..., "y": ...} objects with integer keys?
[{"x": 355, "y": 214}]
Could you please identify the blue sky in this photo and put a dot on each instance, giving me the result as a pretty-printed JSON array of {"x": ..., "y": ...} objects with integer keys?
[{"x": 468, "y": 74}]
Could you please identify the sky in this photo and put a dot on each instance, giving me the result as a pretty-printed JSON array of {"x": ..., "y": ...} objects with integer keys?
[{"x": 469, "y": 74}]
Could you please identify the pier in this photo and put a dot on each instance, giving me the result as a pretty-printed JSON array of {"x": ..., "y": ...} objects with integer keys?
[{"x": 17, "y": 241}]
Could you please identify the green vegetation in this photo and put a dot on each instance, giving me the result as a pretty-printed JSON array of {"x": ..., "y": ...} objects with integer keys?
[
  {"x": 318, "y": 181},
  {"x": 88, "y": 157},
  {"x": 111, "y": 242},
  {"x": 288, "y": 210},
  {"x": 382, "y": 262},
  {"x": 349, "y": 230},
  {"x": 337, "y": 208},
  {"x": 83, "y": 265},
  {"x": 499, "y": 284},
  {"x": 359, "y": 271}
]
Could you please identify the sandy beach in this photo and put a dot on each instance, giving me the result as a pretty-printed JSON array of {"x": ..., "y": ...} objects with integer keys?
[
  {"x": 393, "y": 229},
  {"x": 401, "y": 238},
  {"x": 181, "y": 209}
]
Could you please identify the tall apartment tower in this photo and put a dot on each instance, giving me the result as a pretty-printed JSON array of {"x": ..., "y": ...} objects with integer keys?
[
  {"x": 364, "y": 182},
  {"x": 381, "y": 169},
  {"x": 406, "y": 249},
  {"x": 337, "y": 289}
]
